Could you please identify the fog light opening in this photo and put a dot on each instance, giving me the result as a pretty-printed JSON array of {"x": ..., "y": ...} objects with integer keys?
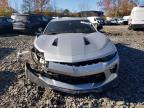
[{"x": 114, "y": 69}]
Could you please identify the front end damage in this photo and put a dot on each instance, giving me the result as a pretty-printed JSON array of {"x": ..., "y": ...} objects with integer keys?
[{"x": 74, "y": 78}]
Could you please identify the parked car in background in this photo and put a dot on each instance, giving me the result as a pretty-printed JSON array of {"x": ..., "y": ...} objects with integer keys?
[
  {"x": 126, "y": 19},
  {"x": 30, "y": 23},
  {"x": 100, "y": 20},
  {"x": 122, "y": 21},
  {"x": 136, "y": 20},
  {"x": 5, "y": 24},
  {"x": 96, "y": 21},
  {"x": 111, "y": 22},
  {"x": 74, "y": 57}
]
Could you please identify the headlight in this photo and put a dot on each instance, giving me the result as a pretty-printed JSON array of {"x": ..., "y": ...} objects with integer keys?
[
  {"x": 38, "y": 53},
  {"x": 109, "y": 57}
]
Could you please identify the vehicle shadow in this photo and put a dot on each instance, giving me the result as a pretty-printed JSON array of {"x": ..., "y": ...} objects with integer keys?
[
  {"x": 131, "y": 77},
  {"x": 16, "y": 33},
  {"x": 8, "y": 34},
  {"x": 6, "y": 79},
  {"x": 138, "y": 29},
  {"x": 5, "y": 52}
]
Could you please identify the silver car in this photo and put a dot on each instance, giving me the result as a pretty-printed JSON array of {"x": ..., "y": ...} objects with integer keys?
[{"x": 74, "y": 57}]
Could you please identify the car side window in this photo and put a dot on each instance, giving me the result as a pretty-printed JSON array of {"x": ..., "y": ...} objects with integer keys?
[
  {"x": 44, "y": 18},
  {"x": 35, "y": 18},
  {"x": 9, "y": 20},
  {"x": 4, "y": 20},
  {"x": 38, "y": 18},
  {"x": 31, "y": 18}
]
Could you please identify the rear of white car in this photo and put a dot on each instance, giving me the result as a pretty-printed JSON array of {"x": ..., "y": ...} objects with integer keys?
[{"x": 136, "y": 20}]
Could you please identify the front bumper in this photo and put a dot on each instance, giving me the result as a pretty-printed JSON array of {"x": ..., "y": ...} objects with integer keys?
[
  {"x": 45, "y": 82},
  {"x": 137, "y": 26}
]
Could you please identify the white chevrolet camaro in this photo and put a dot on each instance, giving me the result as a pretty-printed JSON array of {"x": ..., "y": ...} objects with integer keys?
[{"x": 74, "y": 57}]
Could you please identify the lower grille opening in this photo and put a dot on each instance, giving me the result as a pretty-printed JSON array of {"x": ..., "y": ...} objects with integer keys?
[
  {"x": 76, "y": 80},
  {"x": 114, "y": 69}
]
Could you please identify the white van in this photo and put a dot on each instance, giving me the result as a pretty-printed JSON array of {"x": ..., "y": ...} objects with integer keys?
[{"x": 136, "y": 20}]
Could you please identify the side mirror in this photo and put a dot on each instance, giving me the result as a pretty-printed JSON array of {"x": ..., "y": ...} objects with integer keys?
[
  {"x": 37, "y": 34},
  {"x": 11, "y": 20},
  {"x": 40, "y": 30}
]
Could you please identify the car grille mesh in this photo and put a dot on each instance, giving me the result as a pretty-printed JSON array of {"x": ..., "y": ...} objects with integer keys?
[
  {"x": 83, "y": 63},
  {"x": 76, "y": 80}
]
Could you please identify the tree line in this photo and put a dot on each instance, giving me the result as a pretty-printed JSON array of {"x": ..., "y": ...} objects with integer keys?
[
  {"x": 118, "y": 8},
  {"x": 112, "y": 8}
]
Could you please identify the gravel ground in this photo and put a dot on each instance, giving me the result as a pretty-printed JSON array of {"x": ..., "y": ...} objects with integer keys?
[{"x": 15, "y": 91}]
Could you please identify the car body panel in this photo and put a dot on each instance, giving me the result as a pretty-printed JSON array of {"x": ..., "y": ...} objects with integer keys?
[
  {"x": 71, "y": 48},
  {"x": 83, "y": 70},
  {"x": 112, "y": 81},
  {"x": 5, "y": 24}
]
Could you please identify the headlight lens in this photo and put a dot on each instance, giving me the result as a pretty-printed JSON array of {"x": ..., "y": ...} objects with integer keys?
[
  {"x": 109, "y": 57},
  {"x": 38, "y": 53}
]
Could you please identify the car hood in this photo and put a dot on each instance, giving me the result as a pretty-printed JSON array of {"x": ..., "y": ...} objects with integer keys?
[{"x": 73, "y": 47}]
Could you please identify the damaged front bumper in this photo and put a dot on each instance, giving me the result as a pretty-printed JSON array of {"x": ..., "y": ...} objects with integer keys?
[{"x": 46, "y": 82}]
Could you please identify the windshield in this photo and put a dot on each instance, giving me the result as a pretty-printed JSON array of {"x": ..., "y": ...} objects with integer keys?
[{"x": 70, "y": 26}]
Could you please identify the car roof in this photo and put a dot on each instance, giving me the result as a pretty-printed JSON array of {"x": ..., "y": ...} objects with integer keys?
[
  {"x": 29, "y": 15},
  {"x": 4, "y": 17},
  {"x": 69, "y": 19}
]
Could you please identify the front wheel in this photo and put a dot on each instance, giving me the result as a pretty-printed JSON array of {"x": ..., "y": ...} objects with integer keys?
[{"x": 129, "y": 27}]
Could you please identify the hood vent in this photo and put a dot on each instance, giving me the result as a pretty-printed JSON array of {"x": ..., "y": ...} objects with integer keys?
[
  {"x": 55, "y": 42},
  {"x": 86, "y": 41}
]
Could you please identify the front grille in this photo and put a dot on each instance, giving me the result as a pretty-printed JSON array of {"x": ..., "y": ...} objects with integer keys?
[
  {"x": 19, "y": 26},
  {"x": 114, "y": 69},
  {"x": 76, "y": 80},
  {"x": 83, "y": 63}
]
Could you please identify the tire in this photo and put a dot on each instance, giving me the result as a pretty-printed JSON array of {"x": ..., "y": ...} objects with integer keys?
[{"x": 129, "y": 27}]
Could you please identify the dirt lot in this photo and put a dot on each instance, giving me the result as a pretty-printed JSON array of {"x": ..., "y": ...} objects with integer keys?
[{"x": 16, "y": 92}]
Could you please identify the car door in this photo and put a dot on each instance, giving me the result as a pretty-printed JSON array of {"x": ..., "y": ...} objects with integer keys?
[
  {"x": 42, "y": 24},
  {"x": 1, "y": 25},
  {"x": 8, "y": 24},
  {"x": 46, "y": 20},
  {"x": 4, "y": 25},
  {"x": 34, "y": 22}
]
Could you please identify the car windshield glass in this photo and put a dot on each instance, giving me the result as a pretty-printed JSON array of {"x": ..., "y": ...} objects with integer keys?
[
  {"x": 70, "y": 26},
  {"x": 21, "y": 18}
]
